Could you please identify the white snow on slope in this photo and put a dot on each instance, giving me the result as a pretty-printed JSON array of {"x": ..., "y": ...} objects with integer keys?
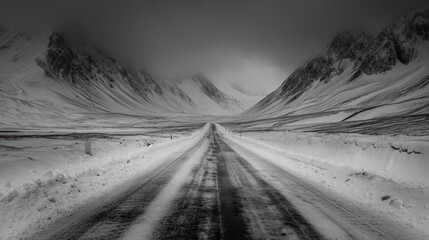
[
  {"x": 245, "y": 99},
  {"x": 207, "y": 105},
  {"x": 372, "y": 91},
  {"x": 402, "y": 91}
]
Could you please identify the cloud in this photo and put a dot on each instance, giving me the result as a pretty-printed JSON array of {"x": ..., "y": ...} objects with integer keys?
[{"x": 254, "y": 44}]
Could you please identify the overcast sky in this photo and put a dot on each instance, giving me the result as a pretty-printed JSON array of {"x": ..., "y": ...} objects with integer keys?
[{"x": 252, "y": 45}]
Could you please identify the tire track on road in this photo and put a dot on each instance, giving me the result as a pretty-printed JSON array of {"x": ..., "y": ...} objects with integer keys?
[
  {"x": 111, "y": 219},
  {"x": 349, "y": 221},
  {"x": 220, "y": 196},
  {"x": 227, "y": 199},
  {"x": 269, "y": 214},
  {"x": 208, "y": 207}
]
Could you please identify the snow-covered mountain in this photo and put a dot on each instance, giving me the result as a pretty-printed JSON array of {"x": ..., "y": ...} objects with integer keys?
[
  {"x": 360, "y": 77},
  {"x": 48, "y": 79},
  {"x": 209, "y": 97}
]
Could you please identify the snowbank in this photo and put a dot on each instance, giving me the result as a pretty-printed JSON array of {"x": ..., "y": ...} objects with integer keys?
[
  {"x": 401, "y": 159},
  {"x": 326, "y": 161},
  {"x": 64, "y": 181}
]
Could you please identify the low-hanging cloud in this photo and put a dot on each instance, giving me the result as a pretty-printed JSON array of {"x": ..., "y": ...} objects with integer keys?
[{"x": 219, "y": 38}]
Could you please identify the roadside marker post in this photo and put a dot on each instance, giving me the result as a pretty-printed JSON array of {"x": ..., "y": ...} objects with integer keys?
[{"x": 88, "y": 147}]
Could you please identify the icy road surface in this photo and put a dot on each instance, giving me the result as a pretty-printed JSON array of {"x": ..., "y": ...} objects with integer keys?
[{"x": 213, "y": 191}]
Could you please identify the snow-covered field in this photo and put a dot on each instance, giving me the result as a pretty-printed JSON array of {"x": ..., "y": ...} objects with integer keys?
[
  {"x": 381, "y": 173},
  {"x": 45, "y": 178}
]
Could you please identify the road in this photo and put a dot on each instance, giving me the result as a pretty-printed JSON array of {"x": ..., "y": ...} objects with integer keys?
[{"x": 221, "y": 194}]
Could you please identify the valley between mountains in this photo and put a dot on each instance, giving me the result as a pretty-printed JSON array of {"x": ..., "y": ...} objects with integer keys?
[{"x": 92, "y": 148}]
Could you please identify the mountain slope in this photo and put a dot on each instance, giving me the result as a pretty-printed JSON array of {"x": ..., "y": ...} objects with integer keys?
[
  {"x": 49, "y": 79},
  {"x": 359, "y": 77},
  {"x": 198, "y": 87}
]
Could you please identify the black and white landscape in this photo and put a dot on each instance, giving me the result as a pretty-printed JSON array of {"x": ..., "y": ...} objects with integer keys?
[{"x": 244, "y": 120}]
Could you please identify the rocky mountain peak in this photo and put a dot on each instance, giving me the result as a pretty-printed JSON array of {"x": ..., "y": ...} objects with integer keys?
[
  {"x": 421, "y": 24},
  {"x": 396, "y": 43},
  {"x": 338, "y": 55},
  {"x": 359, "y": 52},
  {"x": 348, "y": 45}
]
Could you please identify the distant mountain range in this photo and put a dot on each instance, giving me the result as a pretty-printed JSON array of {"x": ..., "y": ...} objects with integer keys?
[
  {"x": 50, "y": 80},
  {"x": 359, "y": 77},
  {"x": 47, "y": 77}
]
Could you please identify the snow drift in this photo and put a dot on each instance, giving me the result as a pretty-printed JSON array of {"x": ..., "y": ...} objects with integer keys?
[{"x": 401, "y": 159}]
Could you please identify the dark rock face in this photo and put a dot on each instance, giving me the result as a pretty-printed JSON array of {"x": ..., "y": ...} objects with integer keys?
[
  {"x": 398, "y": 42},
  {"x": 349, "y": 45},
  {"x": 78, "y": 65},
  {"x": 81, "y": 65},
  {"x": 421, "y": 24},
  {"x": 344, "y": 49},
  {"x": 318, "y": 68},
  {"x": 380, "y": 56},
  {"x": 404, "y": 39}
]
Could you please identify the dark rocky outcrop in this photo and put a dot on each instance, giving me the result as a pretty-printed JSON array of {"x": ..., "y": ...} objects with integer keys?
[
  {"x": 343, "y": 50},
  {"x": 421, "y": 24},
  {"x": 83, "y": 65},
  {"x": 396, "y": 43},
  {"x": 380, "y": 56},
  {"x": 80, "y": 65}
]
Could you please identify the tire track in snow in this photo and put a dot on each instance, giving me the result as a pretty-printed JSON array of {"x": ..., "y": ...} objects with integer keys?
[
  {"x": 218, "y": 197},
  {"x": 226, "y": 199},
  {"x": 195, "y": 212},
  {"x": 208, "y": 207},
  {"x": 142, "y": 227},
  {"x": 334, "y": 216},
  {"x": 268, "y": 213},
  {"x": 112, "y": 218}
]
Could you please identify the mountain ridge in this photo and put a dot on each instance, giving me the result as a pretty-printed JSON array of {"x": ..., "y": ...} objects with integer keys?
[
  {"x": 76, "y": 77},
  {"x": 352, "y": 59}
]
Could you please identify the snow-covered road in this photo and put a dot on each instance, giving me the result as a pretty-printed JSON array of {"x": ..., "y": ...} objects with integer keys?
[{"x": 219, "y": 189}]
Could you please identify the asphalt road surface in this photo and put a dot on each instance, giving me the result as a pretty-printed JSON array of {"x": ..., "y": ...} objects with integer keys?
[{"x": 221, "y": 194}]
